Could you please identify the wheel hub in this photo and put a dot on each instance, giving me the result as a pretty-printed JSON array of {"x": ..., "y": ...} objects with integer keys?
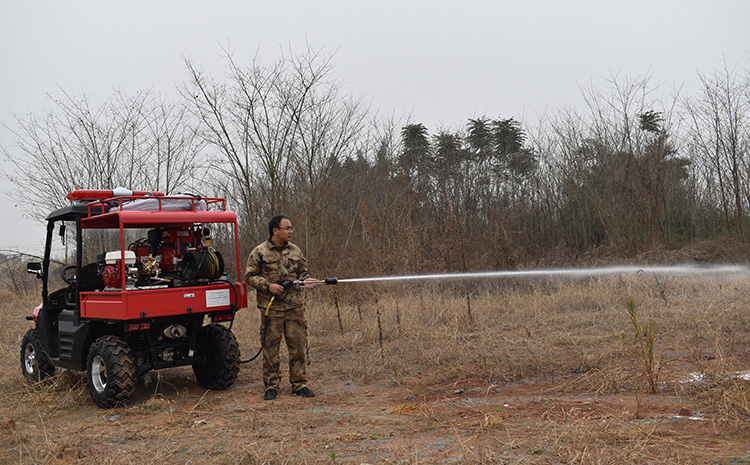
[
  {"x": 29, "y": 358},
  {"x": 99, "y": 374}
]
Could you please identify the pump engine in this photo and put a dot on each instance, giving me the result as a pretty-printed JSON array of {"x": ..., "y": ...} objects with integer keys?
[
  {"x": 114, "y": 267},
  {"x": 167, "y": 256}
]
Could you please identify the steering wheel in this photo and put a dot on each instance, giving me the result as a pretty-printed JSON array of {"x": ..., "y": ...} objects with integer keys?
[{"x": 66, "y": 272}]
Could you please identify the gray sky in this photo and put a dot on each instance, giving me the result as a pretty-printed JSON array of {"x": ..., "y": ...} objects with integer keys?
[{"x": 440, "y": 62}]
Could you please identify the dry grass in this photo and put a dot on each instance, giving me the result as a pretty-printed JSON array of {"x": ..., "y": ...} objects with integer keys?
[{"x": 519, "y": 372}]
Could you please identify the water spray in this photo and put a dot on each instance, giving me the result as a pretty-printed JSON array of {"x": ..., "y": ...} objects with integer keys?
[{"x": 681, "y": 270}]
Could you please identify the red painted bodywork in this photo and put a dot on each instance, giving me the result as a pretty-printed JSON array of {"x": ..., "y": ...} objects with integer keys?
[{"x": 149, "y": 303}]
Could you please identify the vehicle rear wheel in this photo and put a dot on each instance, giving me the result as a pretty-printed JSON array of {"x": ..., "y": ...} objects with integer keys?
[
  {"x": 35, "y": 362},
  {"x": 217, "y": 360},
  {"x": 110, "y": 372}
]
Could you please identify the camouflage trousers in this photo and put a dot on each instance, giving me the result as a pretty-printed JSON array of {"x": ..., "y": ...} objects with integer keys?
[{"x": 289, "y": 324}]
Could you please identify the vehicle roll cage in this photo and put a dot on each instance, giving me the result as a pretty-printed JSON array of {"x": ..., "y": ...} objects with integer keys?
[{"x": 113, "y": 213}]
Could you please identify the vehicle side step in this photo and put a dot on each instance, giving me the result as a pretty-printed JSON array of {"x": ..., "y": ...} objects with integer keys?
[{"x": 66, "y": 346}]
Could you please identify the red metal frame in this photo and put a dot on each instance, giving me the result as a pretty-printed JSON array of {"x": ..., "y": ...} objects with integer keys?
[{"x": 129, "y": 304}]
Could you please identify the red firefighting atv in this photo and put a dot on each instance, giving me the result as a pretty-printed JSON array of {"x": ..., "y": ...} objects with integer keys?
[{"x": 144, "y": 281}]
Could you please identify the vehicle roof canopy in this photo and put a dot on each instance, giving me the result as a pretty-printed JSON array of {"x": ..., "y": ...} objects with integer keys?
[
  {"x": 113, "y": 212},
  {"x": 146, "y": 219},
  {"x": 71, "y": 213}
]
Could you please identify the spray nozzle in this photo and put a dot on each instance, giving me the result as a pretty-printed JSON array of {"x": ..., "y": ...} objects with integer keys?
[{"x": 328, "y": 281}]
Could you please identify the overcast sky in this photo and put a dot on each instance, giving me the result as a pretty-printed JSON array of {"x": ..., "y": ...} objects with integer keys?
[{"x": 440, "y": 62}]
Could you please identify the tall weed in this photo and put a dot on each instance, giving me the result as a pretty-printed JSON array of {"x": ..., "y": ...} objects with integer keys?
[{"x": 641, "y": 346}]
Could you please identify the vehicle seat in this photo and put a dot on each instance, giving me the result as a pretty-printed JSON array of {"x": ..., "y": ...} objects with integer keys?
[{"x": 91, "y": 279}]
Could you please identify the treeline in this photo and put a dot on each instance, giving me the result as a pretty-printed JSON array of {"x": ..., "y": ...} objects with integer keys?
[{"x": 371, "y": 195}]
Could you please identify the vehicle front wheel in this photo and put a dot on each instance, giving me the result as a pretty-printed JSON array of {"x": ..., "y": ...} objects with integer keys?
[
  {"x": 35, "y": 362},
  {"x": 110, "y": 372},
  {"x": 217, "y": 360}
]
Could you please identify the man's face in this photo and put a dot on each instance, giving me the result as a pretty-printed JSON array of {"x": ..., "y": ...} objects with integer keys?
[{"x": 284, "y": 231}]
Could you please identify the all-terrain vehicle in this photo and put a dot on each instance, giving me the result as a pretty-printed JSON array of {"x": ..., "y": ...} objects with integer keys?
[{"x": 120, "y": 311}]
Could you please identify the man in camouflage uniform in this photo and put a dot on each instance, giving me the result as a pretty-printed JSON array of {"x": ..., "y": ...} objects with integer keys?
[{"x": 270, "y": 262}]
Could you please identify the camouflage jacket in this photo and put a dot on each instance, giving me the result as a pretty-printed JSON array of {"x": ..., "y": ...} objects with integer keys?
[{"x": 268, "y": 264}]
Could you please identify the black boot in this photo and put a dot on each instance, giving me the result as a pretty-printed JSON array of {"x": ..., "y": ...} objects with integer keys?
[{"x": 304, "y": 392}]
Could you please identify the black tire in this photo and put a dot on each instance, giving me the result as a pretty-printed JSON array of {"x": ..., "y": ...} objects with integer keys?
[
  {"x": 35, "y": 363},
  {"x": 110, "y": 372},
  {"x": 217, "y": 360}
]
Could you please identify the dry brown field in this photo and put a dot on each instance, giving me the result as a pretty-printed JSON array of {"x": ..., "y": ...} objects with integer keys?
[{"x": 487, "y": 371}]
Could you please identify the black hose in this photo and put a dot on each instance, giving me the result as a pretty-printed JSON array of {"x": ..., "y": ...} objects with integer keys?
[
  {"x": 256, "y": 355},
  {"x": 287, "y": 284},
  {"x": 236, "y": 304}
]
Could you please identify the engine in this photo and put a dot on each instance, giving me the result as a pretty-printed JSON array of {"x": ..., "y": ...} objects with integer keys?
[
  {"x": 113, "y": 267},
  {"x": 168, "y": 256}
]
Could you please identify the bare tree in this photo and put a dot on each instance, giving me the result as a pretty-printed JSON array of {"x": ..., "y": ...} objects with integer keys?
[
  {"x": 253, "y": 119},
  {"x": 720, "y": 139},
  {"x": 138, "y": 141},
  {"x": 330, "y": 129},
  {"x": 614, "y": 161}
]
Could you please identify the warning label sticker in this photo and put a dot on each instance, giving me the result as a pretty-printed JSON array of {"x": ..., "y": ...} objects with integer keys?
[{"x": 217, "y": 298}]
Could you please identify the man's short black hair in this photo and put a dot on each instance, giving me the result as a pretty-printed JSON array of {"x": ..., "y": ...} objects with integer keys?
[{"x": 275, "y": 223}]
